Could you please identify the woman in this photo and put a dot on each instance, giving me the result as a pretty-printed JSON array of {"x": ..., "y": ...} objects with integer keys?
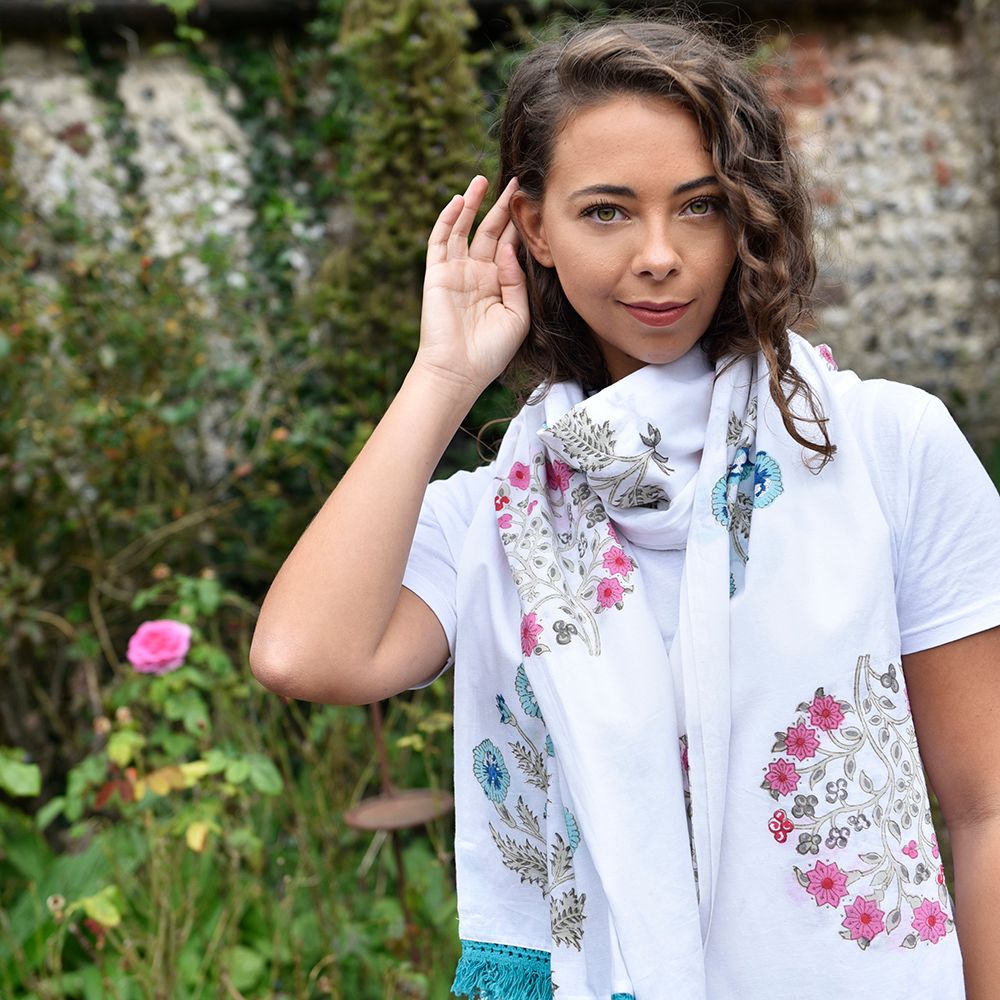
[{"x": 706, "y": 598}]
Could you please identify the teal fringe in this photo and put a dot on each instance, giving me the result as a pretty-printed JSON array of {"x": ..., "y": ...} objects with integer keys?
[
  {"x": 502, "y": 972},
  {"x": 505, "y": 972}
]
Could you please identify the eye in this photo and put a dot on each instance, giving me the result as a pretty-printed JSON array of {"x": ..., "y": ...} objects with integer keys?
[
  {"x": 601, "y": 213},
  {"x": 705, "y": 205}
]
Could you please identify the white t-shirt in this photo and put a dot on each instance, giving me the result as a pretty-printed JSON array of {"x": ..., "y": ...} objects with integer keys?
[{"x": 942, "y": 508}]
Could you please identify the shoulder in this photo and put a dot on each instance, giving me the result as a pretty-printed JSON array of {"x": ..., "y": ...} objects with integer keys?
[{"x": 885, "y": 415}]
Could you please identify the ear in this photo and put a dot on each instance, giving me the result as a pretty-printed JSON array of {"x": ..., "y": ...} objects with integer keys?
[{"x": 527, "y": 216}]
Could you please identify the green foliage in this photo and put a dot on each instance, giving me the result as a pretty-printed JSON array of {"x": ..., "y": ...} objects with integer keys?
[{"x": 183, "y": 833}]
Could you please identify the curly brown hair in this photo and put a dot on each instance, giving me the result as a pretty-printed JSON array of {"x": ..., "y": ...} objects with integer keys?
[{"x": 768, "y": 210}]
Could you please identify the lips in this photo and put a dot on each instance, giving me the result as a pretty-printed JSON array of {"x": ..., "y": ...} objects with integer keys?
[{"x": 657, "y": 313}]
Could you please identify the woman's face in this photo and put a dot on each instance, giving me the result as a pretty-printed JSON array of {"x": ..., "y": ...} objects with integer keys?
[{"x": 633, "y": 222}]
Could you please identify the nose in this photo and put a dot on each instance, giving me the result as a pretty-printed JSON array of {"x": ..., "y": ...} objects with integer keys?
[{"x": 656, "y": 254}]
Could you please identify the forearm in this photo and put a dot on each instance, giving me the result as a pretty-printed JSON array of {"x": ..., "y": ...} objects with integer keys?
[
  {"x": 331, "y": 601},
  {"x": 976, "y": 853}
]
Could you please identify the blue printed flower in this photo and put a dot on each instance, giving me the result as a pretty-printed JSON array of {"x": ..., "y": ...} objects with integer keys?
[
  {"x": 766, "y": 480},
  {"x": 491, "y": 771},
  {"x": 549, "y": 746},
  {"x": 719, "y": 506},
  {"x": 572, "y": 830},
  {"x": 526, "y": 695},
  {"x": 506, "y": 718}
]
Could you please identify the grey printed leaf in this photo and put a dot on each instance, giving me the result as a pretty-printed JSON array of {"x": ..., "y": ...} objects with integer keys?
[
  {"x": 910, "y": 941},
  {"x": 893, "y": 827},
  {"x": 881, "y": 880},
  {"x": 566, "y": 916},
  {"x": 734, "y": 430},
  {"x": 801, "y": 877},
  {"x": 505, "y": 815},
  {"x": 644, "y": 496},
  {"x": 866, "y": 783},
  {"x": 532, "y": 765},
  {"x": 851, "y": 733},
  {"x": 528, "y": 819},
  {"x": 871, "y": 857},
  {"x": 521, "y": 857},
  {"x": 850, "y": 766},
  {"x": 562, "y": 860},
  {"x": 818, "y": 775},
  {"x": 892, "y": 920},
  {"x": 589, "y": 444}
]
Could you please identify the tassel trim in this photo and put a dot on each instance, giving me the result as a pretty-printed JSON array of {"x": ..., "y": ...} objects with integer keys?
[{"x": 489, "y": 971}]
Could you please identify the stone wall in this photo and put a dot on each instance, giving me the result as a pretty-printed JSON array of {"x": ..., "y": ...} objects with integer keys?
[
  {"x": 903, "y": 173},
  {"x": 898, "y": 130}
]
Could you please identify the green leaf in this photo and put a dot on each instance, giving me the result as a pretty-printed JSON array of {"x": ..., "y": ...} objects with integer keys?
[
  {"x": 245, "y": 967},
  {"x": 264, "y": 775},
  {"x": 17, "y": 778},
  {"x": 123, "y": 745},
  {"x": 237, "y": 771}
]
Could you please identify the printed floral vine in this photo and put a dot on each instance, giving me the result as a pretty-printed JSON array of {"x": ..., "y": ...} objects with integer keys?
[
  {"x": 872, "y": 823},
  {"x": 538, "y": 861}
]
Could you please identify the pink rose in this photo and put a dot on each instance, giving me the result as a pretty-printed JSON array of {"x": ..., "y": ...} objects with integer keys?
[
  {"x": 159, "y": 646},
  {"x": 520, "y": 476}
]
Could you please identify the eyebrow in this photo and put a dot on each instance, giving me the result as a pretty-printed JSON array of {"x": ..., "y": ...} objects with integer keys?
[{"x": 617, "y": 191}]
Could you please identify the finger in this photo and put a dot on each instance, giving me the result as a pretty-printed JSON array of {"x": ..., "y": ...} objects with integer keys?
[
  {"x": 458, "y": 243},
  {"x": 509, "y": 237},
  {"x": 484, "y": 244},
  {"x": 513, "y": 287},
  {"x": 437, "y": 242}
]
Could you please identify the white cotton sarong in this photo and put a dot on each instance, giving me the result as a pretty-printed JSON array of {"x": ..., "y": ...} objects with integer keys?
[{"x": 762, "y": 830}]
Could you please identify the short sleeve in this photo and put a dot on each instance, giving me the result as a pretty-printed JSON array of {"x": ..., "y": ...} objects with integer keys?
[
  {"x": 432, "y": 567},
  {"x": 948, "y": 574}
]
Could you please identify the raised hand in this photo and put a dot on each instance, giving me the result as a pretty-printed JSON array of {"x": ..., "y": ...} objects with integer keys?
[{"x": 475, "y": 305}]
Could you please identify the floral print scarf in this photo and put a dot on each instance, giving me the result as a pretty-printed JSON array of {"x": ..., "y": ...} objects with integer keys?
[{"x": 620, "y": 835}]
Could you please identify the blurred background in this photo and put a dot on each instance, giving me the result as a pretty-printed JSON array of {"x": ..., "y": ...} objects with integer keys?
[{"x": 212, "y": 225}]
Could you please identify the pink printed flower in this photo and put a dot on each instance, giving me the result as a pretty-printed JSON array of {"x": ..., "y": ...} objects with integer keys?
[
  {"x": 158, "y": 647},
  {"x": 615, "y": 561},
  {"x": 685, "y": 762},
  {"x": 863, "y": 919},
  {"x": 827, "y": 355},
  {"x": 519, "y": 476},
  {"x": 609, "y": 592},
  {"x": 780, "y": 825},
  {"x": 612, "y": 534},
  {"x": 911, "y": 849},
  {"x": 499, "y": 501},
  {"x": 504, "y": 521},
  {"x": 801, "y": 741},
  {"x": 532, "y": 506},
  {"x": 934, "y": 846},
  {"x": 557, "y": 475},
  {"x": 930, "y": 921},
  {"x": 827, "y": 883},
  {"x": 782, "y": 776},
  {"x": 825, "y": 713},
  {"x": 530, "y": 631},
  {"x": 940, "y": 875}
]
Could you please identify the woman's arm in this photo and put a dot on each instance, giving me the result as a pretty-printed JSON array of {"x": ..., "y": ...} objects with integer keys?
[
  {"x": 336, "y": 625},
  {"x": 954, "y": 694}
]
